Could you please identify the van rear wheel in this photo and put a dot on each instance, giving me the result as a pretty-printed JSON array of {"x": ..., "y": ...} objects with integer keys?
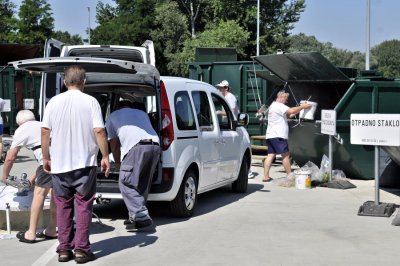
[
  {"x": 185, "y": 201},
  {"x": 240, "y": 185}
]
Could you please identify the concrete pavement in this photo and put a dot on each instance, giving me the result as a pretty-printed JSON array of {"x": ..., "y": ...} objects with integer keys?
[{"x": 269, "y": 225}]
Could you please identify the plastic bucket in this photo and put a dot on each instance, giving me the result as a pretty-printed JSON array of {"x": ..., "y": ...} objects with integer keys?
[
  {"x": 308, "y": 113},
  {"x": 303, "y": 179}
]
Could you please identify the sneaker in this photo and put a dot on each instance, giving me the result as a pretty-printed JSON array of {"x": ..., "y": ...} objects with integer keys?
[{"x": 141, "y": 220}]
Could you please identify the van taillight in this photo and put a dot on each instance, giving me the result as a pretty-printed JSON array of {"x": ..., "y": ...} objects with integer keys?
[{"x": 167, "y": 131}]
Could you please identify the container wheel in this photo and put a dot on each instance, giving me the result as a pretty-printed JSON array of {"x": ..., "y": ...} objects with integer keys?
[
  {"x": 240, "y": 185},
  {"x": 185, "y": 201}
]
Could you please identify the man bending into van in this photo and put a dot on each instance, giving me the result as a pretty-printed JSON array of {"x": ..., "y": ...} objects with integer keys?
[{"x": 133, "y": 139}]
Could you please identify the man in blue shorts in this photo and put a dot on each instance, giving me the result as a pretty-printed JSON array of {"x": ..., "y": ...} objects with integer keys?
[{"x": 278, "y": 132}]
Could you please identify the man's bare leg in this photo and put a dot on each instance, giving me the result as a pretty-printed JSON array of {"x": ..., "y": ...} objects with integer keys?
[
  {"x": 39, "y": 194},
  {"x": 267, "y": 166},
  {"x": 286, "y": 164}
]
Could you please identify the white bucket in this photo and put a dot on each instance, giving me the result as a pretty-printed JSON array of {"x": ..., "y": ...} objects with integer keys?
[
  {"x": 303, "y": 179},
  {"x": 308, "y": 113}
]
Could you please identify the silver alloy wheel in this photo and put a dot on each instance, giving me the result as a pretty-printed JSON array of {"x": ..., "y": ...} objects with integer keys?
[{"x": 190, "y": 192}]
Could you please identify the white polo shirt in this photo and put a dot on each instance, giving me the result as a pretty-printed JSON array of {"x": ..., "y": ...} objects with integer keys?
[
  {"x": 277, "y": 121},
  {"x": 71, "y": 116},
  {"x": 130, "y": 126},
  {"x": 28, "y": 135}
]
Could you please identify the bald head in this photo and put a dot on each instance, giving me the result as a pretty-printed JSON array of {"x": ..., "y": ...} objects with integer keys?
[{"x": 74, "y": 76}]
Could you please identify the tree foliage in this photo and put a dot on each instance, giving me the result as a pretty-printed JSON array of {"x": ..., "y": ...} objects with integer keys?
[
  {"x": 7, "y": 21},
  {"x": 35, "y": 23},
  {"x": 129, "y": 23},
  {"x": 221, "y": 35},
  {"x": 67, "y": 38},
  {"x": 387, "y": 55},
  {"x": 172, "y": 22}
]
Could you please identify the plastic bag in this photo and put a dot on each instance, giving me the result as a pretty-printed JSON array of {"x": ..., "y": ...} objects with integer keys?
[
  {"x": 313, "y": 168},
  {"x": 338, "y": 175},
  {"x": 323, "y": 174}
]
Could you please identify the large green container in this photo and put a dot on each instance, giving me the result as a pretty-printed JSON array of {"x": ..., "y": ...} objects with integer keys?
[
  {"x": 310, "y": 74},
  {"x": 17, "y": 86}
]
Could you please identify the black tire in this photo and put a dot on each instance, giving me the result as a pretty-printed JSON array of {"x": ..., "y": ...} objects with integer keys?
[
  {"x": 185, "y": 201},
  {"x": 240, "y": 185}
]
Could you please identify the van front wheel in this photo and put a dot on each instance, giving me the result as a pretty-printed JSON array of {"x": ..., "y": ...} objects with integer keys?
[
  {"x": 240, "y": 185},
  {"x": 185, "y": 201}
]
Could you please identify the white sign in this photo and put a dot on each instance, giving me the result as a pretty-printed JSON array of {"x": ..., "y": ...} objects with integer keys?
[
  {"x": 7, "y": 105},
  {"x": 328, "y": 122},
  {"x": 29, "y": 104},
  {"x": 375, "y": 129}
]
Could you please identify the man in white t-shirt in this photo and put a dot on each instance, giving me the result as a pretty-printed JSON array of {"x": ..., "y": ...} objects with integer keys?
[
  {"x": 278, "y": 132},
  {"x": 136, "y": 149},
  {"x": 75, "y": 122},
  {"x": 28, "y": 135},
  {"x": 223, "y": 87}
]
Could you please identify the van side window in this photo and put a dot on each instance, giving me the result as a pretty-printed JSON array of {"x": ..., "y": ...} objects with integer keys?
[
  {"x": 224, "y": 113},
  {"x": 203, "y": 110},
  {"x": 183, "y": 111}
]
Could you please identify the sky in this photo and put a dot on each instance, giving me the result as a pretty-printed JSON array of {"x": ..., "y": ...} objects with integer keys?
[{"x": 341, "y": 22}]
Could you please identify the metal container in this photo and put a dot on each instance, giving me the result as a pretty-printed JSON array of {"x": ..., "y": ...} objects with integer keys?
[{"x": 310, "y": 74}]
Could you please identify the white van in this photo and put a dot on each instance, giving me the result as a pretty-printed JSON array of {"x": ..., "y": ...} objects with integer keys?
[{"x": 201, "y": 151}]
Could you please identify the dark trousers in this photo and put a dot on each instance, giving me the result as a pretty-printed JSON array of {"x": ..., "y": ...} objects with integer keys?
[
  {"x": 136, "y": 174},
  {"x": 74, "y": 189}
]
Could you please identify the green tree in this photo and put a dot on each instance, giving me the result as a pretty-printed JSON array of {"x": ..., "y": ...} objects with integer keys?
[
  {"x": 338, "y": 57},
  {"x": 277, "y": 18},
  {"x": 7, "y": 21},
  {"x": 67, "y": 38},
  {"x": 35, "y": 23},
  {"x": 223, "y": 34},
  {"x": 129, "y": 23},
  {"x": 169, "y": 33},
  {"x": 387, "y": 56}
]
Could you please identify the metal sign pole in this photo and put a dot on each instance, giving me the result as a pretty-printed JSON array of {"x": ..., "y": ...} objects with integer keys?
[
  {"x": 330, "y": 157},
  {"x": 376, "y": 172}
]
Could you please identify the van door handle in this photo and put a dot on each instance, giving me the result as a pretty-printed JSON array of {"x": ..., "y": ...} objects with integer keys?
[
  {"x": 223, "y": 141},
  {"x": 217, "y": 141}
]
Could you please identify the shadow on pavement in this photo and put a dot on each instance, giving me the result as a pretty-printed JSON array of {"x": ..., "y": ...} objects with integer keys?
[
  {"x": 23, "y": 159},
  {"x": 160, "y": 211},
  {"x": 99, "y": 228},
  {"x": 112, "y": 245}
]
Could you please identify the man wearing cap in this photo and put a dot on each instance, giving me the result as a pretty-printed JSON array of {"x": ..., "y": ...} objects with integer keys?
[{"x": 223, "y": 87}]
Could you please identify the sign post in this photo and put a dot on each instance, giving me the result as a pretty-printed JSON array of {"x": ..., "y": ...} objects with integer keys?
[
  {"x": 377, "y": 130},
  {"x": 328, "y": 127}
]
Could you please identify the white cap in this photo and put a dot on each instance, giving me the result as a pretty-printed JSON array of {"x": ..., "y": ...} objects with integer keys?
[{"x": 223, "y": 83}]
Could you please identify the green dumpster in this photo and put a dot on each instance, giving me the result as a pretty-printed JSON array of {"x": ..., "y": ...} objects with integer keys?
[{"x": 312, "y": 75}]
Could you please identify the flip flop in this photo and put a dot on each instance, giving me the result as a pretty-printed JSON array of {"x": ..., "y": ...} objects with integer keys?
[
  {"x": 267, "y": 180},
  {"x": 43, "y": 235},
  {"x": 21, "y": 237}
]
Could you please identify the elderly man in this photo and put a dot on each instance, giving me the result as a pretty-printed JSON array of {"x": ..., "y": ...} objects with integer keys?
[
  {"x": 278, "y": 132},
  {"x": 75, "y": 122},
  {"x": 133, "y": 139},
  {"x": 28, "y": 135}
]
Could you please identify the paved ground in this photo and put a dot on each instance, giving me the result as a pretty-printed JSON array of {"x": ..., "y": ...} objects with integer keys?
[{"x": 269, "y": 225}]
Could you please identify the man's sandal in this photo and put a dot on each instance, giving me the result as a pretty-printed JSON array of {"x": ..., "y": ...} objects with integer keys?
[
  {"x": 83, "y": 257},
  {"x": 65, "y": 255}
]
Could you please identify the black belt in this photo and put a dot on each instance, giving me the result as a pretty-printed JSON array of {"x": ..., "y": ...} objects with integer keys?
[
  {"x": 146, "y": 142},
  {"x": 36, "y": 147}
]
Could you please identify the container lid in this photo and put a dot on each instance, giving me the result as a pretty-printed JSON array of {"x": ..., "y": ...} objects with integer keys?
[{"x": 301, "y": 67}]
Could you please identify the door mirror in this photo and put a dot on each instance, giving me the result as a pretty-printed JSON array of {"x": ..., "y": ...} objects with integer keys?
[{"x": 242, "y": 119}]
